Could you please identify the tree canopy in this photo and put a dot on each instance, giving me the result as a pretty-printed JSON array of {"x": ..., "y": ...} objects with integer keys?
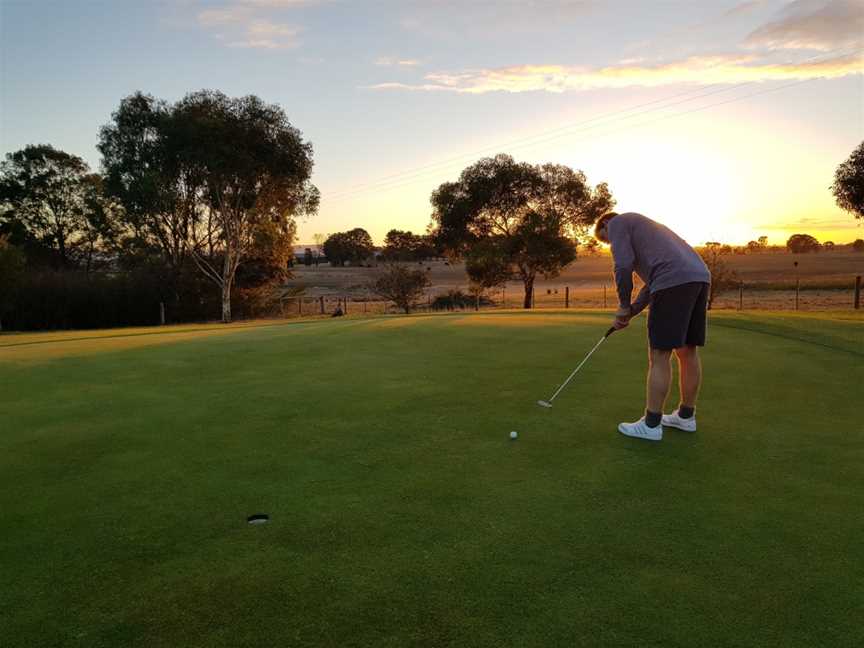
[
  {"x": 402, "y": 245},
  {"x": 802, "y": 243},
  {"x": 142, "y": 158},
  {"x": 511, "y": 219},
  {"x": 401, "y": 285},
  {"x": 848, "y": 184},
  {"x": 11, "y": 269},
  {"x": 45, "y": 192},
  {"x": 211, "y": 178},
  {"x": 353, "y": 246}
]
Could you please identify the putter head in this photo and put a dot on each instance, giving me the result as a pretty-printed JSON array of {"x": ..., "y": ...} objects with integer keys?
[{"x": 543, "y": 403}]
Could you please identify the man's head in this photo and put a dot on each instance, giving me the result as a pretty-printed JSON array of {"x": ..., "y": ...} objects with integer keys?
[{"x": 601, "y": 227}]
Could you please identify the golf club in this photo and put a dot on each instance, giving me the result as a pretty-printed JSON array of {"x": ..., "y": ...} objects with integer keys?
[{"x": 543, "y": 403}]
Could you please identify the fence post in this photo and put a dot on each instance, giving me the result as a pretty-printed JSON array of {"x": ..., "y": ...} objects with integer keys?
[
  {"x": 857, "y": 292},
  {"x": 741, "y": 296},
  {"x": 321, "y": 298},
  {"x": 797, "y": 292},
  {"x": 604, "y": 296},
  {"x": 566, "y": 296},
  {"x": 504, "y": 297},
  {"x": 477, "y": 302},
  {"x": 162, "y": 312},
  {"x": 299, "y": 305},
  {"x": 345, "y": 310}
]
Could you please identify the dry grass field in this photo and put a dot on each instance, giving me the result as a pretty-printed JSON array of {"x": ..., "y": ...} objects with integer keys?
[{"x": 826, "y": 279}]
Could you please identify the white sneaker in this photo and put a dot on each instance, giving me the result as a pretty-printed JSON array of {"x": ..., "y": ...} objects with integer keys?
[
  {"x": 640, "y": 430},
  {"x": 673, "y": 420}
]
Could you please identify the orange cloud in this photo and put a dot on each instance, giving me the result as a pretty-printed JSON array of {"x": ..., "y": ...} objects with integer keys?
[
  {"x": 694, "y": 70},
  {"x": 812, "y": 24}
]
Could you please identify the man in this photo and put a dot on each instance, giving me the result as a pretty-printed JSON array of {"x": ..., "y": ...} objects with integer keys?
[{"x": 676, "y": 289}]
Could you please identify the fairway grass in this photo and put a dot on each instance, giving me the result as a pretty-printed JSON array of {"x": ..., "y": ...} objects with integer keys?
[{"x": 401, "y": 512}]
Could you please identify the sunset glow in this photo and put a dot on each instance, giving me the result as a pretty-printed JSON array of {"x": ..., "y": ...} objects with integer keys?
[{"x": 724, "y": 119}]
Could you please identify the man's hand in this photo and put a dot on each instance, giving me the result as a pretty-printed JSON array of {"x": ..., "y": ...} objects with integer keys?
[{"x": 622, "y": 318}]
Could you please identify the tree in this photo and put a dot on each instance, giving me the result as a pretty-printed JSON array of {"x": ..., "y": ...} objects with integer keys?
[
  {"x": 539, "y": 248},
  {"x": 592, "y": 246},
  {"x": 753, "y": 247},
  {"x": 510, "y": 219},
  {"x": 488, "y": 263},
  {"x": 722, "y": 277},
  {"x": 802, "y": 243},
  {"x": 269, "y": 255},
  {"x": 848, "y": 184},
  {"x": 858, "y": 245},
  {"x": 11, "y": 271},
  {"x": 161, "y": 192},
  {"x": 763, "y": 242},
  {"x": 100, "y": 229},
  {"x": 254, "y": 168},
  {"x": 354, "y": 246},
  {"x": 404, "y": 246},
  {"x": 319, "y": 239},
  {"x": 828, "y": 246},
  {"x": 44, "y": 190},
  {"x": 401, "y": 285}
]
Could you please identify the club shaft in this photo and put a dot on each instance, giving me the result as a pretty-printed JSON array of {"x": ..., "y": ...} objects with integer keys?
[{"x": 576, "y": 370}]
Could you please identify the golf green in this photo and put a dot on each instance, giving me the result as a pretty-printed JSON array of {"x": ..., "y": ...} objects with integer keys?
[{"x": 401, "y": 512}]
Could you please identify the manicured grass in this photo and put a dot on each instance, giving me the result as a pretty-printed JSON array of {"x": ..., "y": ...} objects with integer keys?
[{"x": 402, "y": 514}]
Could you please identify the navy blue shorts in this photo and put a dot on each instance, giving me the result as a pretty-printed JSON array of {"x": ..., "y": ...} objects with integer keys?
[{"x": 678, "y": 316}]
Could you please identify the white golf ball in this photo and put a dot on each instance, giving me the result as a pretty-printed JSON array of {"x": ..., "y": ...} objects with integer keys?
[{"x": 514, "y": 435}]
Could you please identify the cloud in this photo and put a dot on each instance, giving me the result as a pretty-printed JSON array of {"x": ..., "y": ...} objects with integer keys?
[
  {"x": 743, "y": 8},
  {"x": 283, "y": 3},
  {"x": 693, "y": 70},
  {"x": 812, "y": 224},
  {"x": 812, "y": 24},
  {"x": 389, "y": 61},
  {"x": 224, "y": 16},
  {"x": 263, "y": 34},
  {"x": 459, "y": 19},
  {"x": 252, "y": 29}
]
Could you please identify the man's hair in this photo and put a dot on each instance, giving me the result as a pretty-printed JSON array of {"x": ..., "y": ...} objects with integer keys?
[{"x": 601, "y": 223}]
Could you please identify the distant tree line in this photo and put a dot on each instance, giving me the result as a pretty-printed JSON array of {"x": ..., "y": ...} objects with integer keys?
[
  {"x": 200, "y": 197},
  {"x": 191, "y": 196}
]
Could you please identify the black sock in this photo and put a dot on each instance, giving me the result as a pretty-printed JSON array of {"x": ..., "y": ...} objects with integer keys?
[
  {"x": 652, "y": 419},
  {"x": 685, "y": 412}
]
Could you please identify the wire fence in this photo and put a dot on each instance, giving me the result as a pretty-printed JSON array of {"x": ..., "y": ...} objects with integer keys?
[{"x": 754, "y": 296}]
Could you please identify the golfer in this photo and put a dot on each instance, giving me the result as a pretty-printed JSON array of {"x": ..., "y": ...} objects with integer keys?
[{"x": 676, "y": 291}]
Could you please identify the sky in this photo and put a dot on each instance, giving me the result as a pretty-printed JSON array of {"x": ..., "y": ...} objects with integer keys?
[{"x": 723, "y": 119}]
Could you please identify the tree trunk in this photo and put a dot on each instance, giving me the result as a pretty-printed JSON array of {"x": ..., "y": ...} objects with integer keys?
[
  {"x": 61, "y": 244},
  {"x": 226, "y": 302},
  {"x": 529, "y": 292},
  {"x": 227, "y": 280}
]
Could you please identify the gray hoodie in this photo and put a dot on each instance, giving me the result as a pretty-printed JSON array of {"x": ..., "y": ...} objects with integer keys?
[{"x": 660, "y": 257}]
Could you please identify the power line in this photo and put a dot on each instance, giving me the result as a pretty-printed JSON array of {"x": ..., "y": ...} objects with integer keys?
[{"x": 394, "y": 181}]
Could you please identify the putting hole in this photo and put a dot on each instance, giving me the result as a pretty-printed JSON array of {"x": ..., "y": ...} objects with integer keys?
[{"x": 258, "y": 518}]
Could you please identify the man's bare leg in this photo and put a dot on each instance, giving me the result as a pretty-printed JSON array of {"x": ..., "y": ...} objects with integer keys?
[
  {"x": 689, "y": 377},
  {"x": 659, "y": 379}
]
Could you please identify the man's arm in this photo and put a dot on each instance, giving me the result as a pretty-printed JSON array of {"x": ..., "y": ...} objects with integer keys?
[
  {"x": 641, "y": 301},
  {"x": 624, "y": 257}
]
